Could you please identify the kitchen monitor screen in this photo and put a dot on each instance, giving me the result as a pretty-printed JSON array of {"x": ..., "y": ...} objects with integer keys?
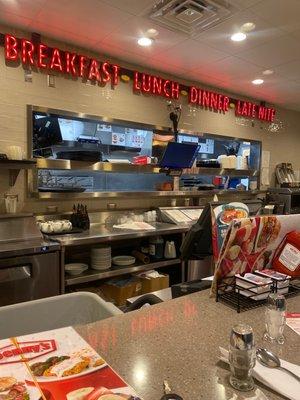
[{"x": 179, "y": 155}]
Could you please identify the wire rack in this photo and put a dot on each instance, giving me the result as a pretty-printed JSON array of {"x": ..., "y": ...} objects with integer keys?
[{"x": 241, "y": 299}]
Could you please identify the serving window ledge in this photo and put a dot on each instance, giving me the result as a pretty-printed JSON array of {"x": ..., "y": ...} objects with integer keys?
[{"x": 152, "y": 194}]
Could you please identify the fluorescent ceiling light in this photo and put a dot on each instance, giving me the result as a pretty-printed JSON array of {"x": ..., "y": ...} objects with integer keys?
[
  {"x": 152, "y": 33},
  {"x": 248, "y": 27},
  {"x": 268, "y": 72},
  {"x": 238, "y": 37},
  {"x": 258, "y": 81},
  {"x": 145, "y": 41}
]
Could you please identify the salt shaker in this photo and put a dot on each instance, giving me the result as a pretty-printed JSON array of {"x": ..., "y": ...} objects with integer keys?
[
  {"x": 275, "y": 318},
  {"x": 242, "y": 357}
]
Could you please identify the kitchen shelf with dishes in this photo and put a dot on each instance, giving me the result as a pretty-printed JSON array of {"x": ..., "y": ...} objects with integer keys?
[
  {"x": 91, "y": 275},
  {"x": 123, "y": 259}
]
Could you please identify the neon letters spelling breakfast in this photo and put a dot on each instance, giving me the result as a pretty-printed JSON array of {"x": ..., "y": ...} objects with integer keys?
[
  {"x": 41, "y": 56},
  {"x": 44, "y": 57}
]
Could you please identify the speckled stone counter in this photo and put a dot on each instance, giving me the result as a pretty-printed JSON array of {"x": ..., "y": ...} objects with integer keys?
[{"x": 178, "y": 340}]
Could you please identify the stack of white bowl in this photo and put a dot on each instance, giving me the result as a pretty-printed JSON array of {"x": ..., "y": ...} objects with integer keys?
[{"x": 101, "y": 257}]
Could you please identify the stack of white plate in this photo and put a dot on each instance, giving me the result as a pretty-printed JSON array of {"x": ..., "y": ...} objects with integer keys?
[
  {"x": 123, "y": 261},
  {"x": 101, "y": 257},
  {"x": 76, "y": 268}
]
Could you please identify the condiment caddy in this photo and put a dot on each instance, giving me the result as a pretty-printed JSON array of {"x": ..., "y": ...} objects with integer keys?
[
  {"x": 244, "y": 292},
  {"x": 80, "y": 217}
]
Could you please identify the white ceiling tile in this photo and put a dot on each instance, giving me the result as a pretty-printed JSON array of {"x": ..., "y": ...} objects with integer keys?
[
  {"x": 83, "y": 17},
  {"x": 14, "y": 20},
  {"x": 231, "y": 68},
  {"x": 296, "y": 34},
  {"x": 284, "y": 86},
  {"x": 202, "y": 77},
  {"x": 23, "y": 8},
  {"x": 190, "y": 53},
  {"x": 219, "y": 36},
  {"x": 137, "y": 27},
  {"x": 280, "y": 92},
  {"x": 289, "y": 70},
  {"x": 281, "y": 13},
  {"x": 243, "y": 4},
  {"x": 135, "y": 7},
  {"x": 65, "y": 36},
  {"x": 275, "y": 52},
  {"x": 120, "y": 54}
]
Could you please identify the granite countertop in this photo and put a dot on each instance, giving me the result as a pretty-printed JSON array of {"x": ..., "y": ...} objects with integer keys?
[
  {"x": 178, "y": 340},
  {"x": 100, "y": 233}
]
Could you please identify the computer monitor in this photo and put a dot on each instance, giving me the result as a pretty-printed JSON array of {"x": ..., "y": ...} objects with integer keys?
[
  {"x": 179, "y": 155},
  {"x": 198, "y": 241}
]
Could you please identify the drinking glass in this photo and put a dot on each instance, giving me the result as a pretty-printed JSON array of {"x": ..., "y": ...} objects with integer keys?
[
  {"x": 242, "y": 357},
  {"x": 275, "y": 318}
]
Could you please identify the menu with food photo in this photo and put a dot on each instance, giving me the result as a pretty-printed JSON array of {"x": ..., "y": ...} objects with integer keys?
[
  {"x": 57, "y": 365},
  {"x": 222, "y": 216},
  {"x": 250, "y": 244}
]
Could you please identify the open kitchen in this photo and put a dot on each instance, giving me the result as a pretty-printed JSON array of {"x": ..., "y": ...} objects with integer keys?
[{"x": 150, "y": 200}]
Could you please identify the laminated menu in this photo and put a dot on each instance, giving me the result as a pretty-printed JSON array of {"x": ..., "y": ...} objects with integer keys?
[
  {"x": 57, "y": 365},
  {"x": 222, "y": 216},
  {"x": 250, "y": 244}
]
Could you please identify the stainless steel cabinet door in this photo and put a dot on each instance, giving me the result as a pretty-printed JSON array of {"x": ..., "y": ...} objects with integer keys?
[{"x": 29, "y": 278}]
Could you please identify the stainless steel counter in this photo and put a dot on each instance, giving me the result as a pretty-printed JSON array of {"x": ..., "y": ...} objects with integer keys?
[
  {"x": 179, "y": 340},
  {"x": 99, "y": 233}
]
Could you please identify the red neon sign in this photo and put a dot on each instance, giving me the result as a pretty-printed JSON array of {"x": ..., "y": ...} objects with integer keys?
[
  {"x": 54, "y": 59},
  {"x": 76, "y": 65},
  {"x": 155, "y": 85},
  {"x": 27, "y": 50},
  {"x": 252, "y": 110},
  {"x": 205, "y": 98}
]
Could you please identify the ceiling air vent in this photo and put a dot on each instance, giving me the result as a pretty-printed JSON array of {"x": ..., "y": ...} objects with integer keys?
[{"x": 191, "y": 16}]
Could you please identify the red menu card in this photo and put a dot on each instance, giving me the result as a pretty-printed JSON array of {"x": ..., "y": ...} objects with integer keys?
[{"x": 57, "y": 365}]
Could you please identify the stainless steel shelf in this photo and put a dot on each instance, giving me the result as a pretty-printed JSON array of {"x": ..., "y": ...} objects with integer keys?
[
  {"x": 46, "y": 163},
  {"x": 92, "y": 275},
  {"x": 140, "y": 195},
  {"x": 17, "y": 164},
  {"x": 221, "y": 171}
]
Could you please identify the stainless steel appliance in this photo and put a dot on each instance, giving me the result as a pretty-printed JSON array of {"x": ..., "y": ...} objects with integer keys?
[
  {"x": 285, "y": 175},
  {"x": 29, "y": 266},
  {"x": 289, "y": 197}
]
